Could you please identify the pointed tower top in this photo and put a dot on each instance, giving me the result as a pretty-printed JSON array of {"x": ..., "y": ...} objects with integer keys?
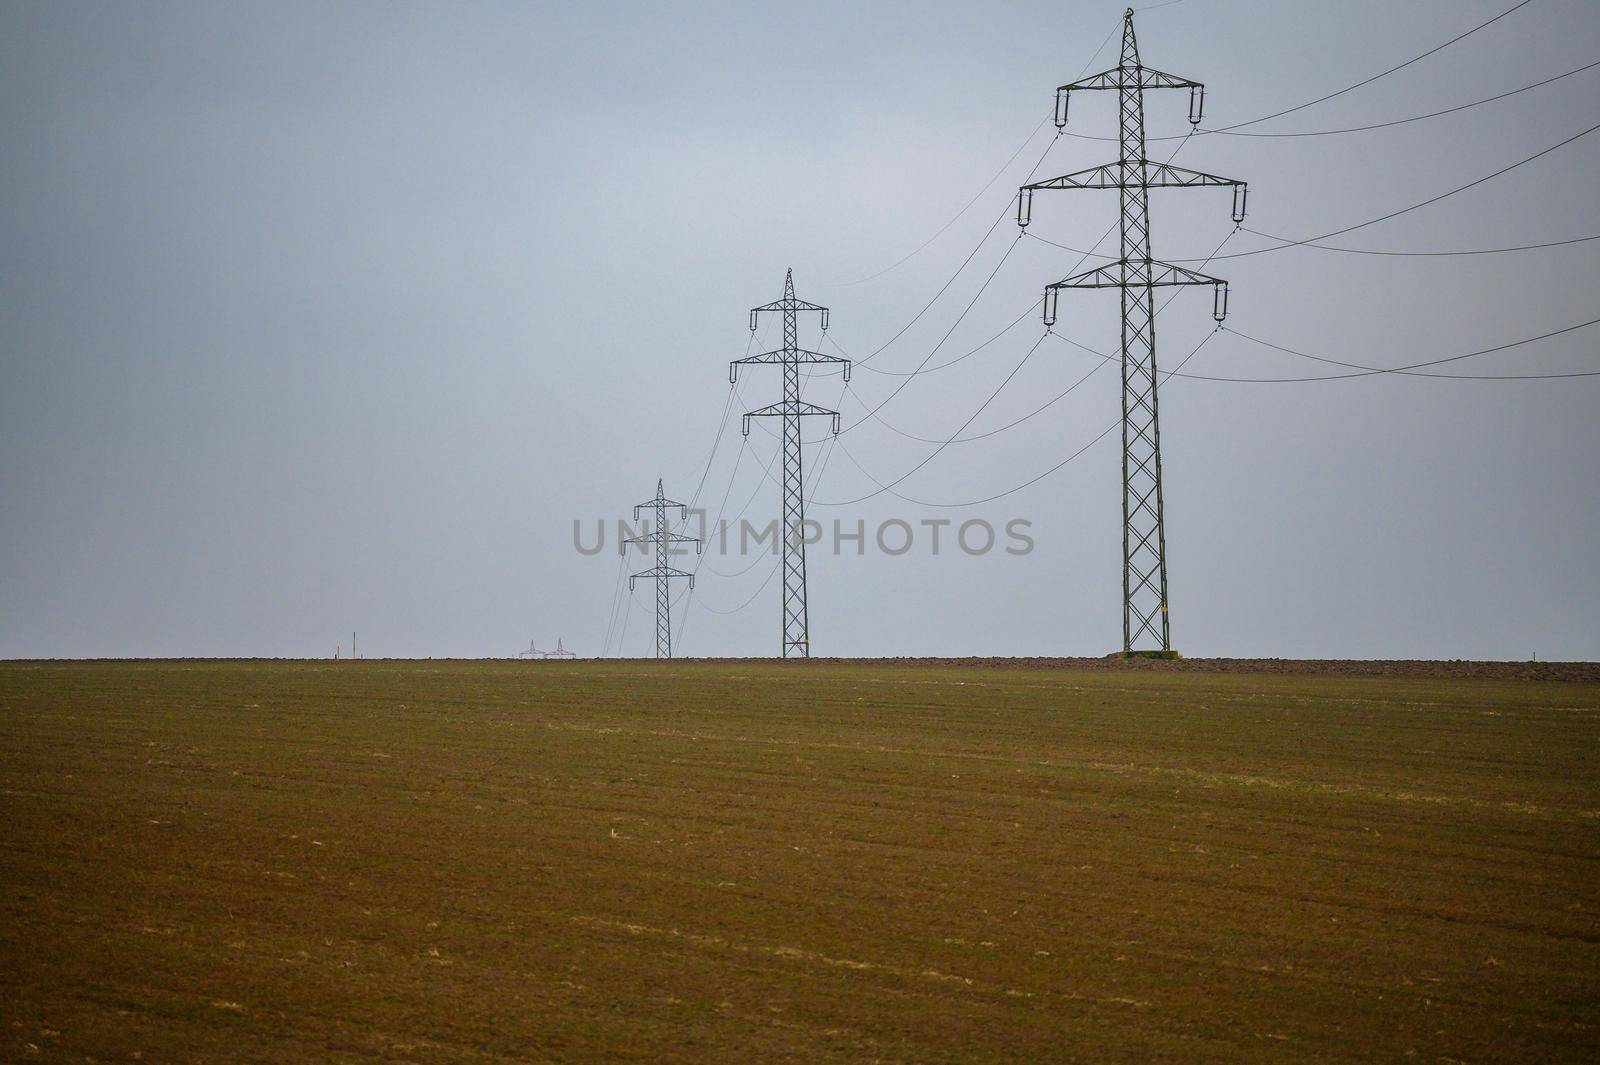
[
  {"x": 658, "y": 488},
  {"x": 788, "y": 284},
  {"x": 1130, "y": 45}
]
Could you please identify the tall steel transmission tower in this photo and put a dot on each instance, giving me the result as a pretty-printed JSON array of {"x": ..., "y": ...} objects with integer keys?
[
  {"x": 1137, "y": 275},
  {"x": 661, "y": 539},
  {"x": 796, "y": 623}
]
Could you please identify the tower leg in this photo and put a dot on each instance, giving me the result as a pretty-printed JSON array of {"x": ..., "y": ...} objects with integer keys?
[
  {"x": 796, "y": 635},
  {"x": 663, "y": 618},
  {"x": 1144, "y": 553}
]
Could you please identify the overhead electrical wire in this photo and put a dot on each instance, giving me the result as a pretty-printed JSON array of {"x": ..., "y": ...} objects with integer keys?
[
  {"x": 703, "y": 605},
  {"x": 722, "y": 426},
  {"x": 778, "y": 563},
  {"x": 719, "y": 524},
  {"x": 611, "y": 621},
  {"x": 716, "y": 442},
  {"x": 956, "y": 218},
  {"x": 1313, "y": 241},
  {"x": 1382, "y": 74},
  {"x": 1423, "y": 254},
  {"x": 943, "y": 365},
  {"x": 1361, "y": 371},
  {"x": 988, "y": 184},
  {"x": 1424, "y": 203},
  {"x": 988, "y": 232},
  {"x": 990, "y": 432},
  {"x": 872, "y": 412},
  {"x": 627, "y": 612},
  {"x": 946, "y": 443},
  {"x": 1032, "y": 480},
  {"x": 965, "y": 262},
  {"x": 1177, "y": 371},
  {"x": 970, "y": 256},
  {"x": 1409, "y": 370},
  {"x": 1412, "y": 118},
  {"x": 693, "y": 500},
  {"x": 953, "y": 326},
  {"x": 1332, "y": 95},
  {"x": 890, "y": 487},
  {"x": 921, "y": 367}
]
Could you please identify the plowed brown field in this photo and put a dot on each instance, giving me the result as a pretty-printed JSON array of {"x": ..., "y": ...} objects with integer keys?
[{"x": 747, "y": 862}]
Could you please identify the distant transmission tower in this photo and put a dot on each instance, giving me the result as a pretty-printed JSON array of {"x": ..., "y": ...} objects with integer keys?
[
  {"x": 796, "y": 622},
  {"x": 660, "y": 539},
  {"x": 1144, "y": 545}
]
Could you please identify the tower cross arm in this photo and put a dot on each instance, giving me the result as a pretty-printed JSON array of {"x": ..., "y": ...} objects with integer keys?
[
  {"x": 1135, "y": 173},
  {"x": 1136, "y": 77},
  {"x": 788, "y": 303},
  {"x": 658, "y": 572},
  {"x": 1136, "y": 273},
  {"x": 1132, "y": 77},
  {"x": 1106, "y": 79},
  {"x": 1156, "y": 79},
  {"x": 650, "y": 538},
  {"x": 788, "y": 306},
  {"x": 1117, "y": 274},
  {"x": 1105, "y": 176},
  {"x": 780, "y": 357},
  {"x": 674, "y": 538},
  {"x": 1165, "y": 175},
  {"x": 659, "y": 501},
  {"x": 790, "y": 408},
  {"x": 1109, "y": 176}
]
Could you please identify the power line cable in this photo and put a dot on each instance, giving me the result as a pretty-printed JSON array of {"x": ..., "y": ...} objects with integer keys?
[
  {"x": 988, "y": 184},
  {"x": 957, "y": 217},
  {"x": 1422, "y": 254},
  {"x": 1408, "y": 370},
  {"x": 964, "y": 263},
  {"x": 1383, "y": 74},
  {"x": 1324, "y": 99},
  {"x": 944, "y": 444},
  {"x": 1372, "y": 371},
  {"x": 943, "y": 365},
  {"x": 953, "y": 326},
  {"x": 816, "y": 479},
  {"x": 716, "y": 442},
  {"x": 1414, "y": 118},
  {"x": 1164, "y": 375},
  {"x": 1313, "y": 241},
  {"x": 627, "y": 612},
  {"x": 873, "y": 412},
  {"x": 997, "y": 430},
  {"x": 1033, "y": 480},
  {"x": 1425, "y": 203},
  {"x": 922, "y": 367},
  {"x": 611, "y": 619}
]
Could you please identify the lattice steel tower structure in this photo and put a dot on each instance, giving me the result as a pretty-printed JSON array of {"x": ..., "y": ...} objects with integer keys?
[
  {"x": 1137, "y": 275},
  {"x": 661, "y": 539},
  {"x": 796, "y": 622}
]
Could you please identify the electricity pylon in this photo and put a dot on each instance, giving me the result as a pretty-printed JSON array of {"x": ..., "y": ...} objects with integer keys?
[
  {"x": 661, "y": 539},
  {"x": 796, "y": 623},
  {"x": 1137, "y": 275}
]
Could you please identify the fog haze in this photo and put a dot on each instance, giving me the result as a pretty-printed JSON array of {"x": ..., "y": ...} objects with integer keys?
[{"x": 330, "y": 318}]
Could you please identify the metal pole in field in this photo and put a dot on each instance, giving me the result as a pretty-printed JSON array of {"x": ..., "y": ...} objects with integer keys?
[
  {"x": 796, "y": 620},
  {"x": 660, "y": 539},
  {"x": 1137, "y": 275}
]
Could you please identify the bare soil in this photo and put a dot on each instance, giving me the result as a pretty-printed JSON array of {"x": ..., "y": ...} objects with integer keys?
[{"x": 966, "y": 861}]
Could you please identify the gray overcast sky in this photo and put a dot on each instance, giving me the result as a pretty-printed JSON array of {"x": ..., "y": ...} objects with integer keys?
[{"x": 331, "y": 317}]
